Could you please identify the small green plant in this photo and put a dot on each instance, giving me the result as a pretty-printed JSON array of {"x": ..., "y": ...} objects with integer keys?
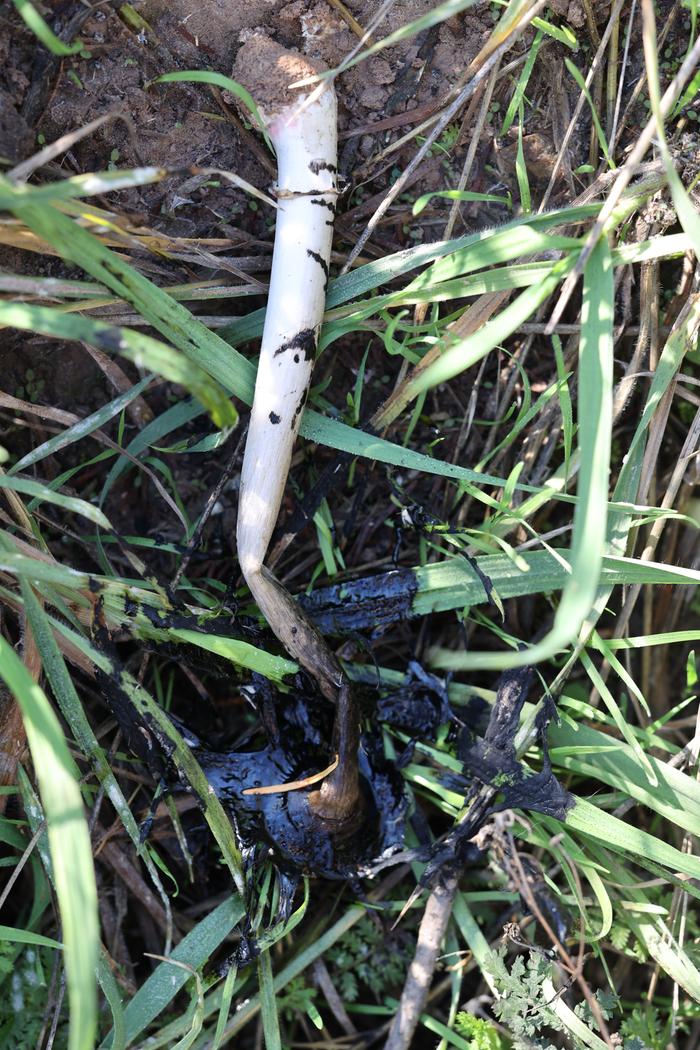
[
  {"x": 32, "y": 388},
  {"x": 523, "y": 1006},
  {"x": 480, "y": 1034},
  {"x": 644, "y": 1029},
  {"x": 299, "y": 999},
  {"x": 367, "y": 956}
]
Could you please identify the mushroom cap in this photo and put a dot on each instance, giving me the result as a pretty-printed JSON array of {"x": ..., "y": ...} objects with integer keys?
[{"x": 266, "y": 69}]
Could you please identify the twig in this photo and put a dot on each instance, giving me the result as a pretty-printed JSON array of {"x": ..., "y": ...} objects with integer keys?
[
  {"x": 473, "y": 146},
  {"x": 574, "y": 122},
  {"x": 612, "y": 130},
  {"x": 226, "y": 474},
  {"x": 350, "y": 20},
  {"x": 436, "y": 916}
]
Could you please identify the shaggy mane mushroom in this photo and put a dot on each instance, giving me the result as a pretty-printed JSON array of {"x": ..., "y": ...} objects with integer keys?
[{"x": 303, "y": 130}]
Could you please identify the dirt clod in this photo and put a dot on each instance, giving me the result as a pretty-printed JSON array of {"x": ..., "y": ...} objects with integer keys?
[{"x": 267, "y": 69}]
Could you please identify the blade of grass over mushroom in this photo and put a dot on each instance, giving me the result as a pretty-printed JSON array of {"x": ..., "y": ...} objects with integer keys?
[
  {"x": 126, "y": 607},
  {"x": 42, "y": 31},
  {"x": 43, "y": 571},
  {"x": 454, "y": 584},
  {"x": 181, "y": 754},
  {"x": 372, "y": 275},
  {"x": 69, "y": 843}
]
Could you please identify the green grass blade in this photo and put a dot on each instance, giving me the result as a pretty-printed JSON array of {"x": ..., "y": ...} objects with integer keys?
[
  {"x": 15, "y": 936},
  {"x": 241, "y": 653},
  {"x": 467, "y": 352},
  {"x": 518, "y": 95},
  {"x": 43, "y": 494},
  {"x": 69, "y": 843},
  {"x": 268, "y": 1008},
  {"x": 618, "y": 718},
  {"x": 595, "y": 425},
  {"x": 592, "y": 753},
  {"x": 628, "y": 840},
  {"x": 112, "y": 994},
  {"x": 166, "y": 980},
  {"x": 474, "y": 937},
  {"x": 655, "y": 935},
  {"x": 225, "y": 1008},
  {"x": 42, "y": 32},
  {"x": 499, "y": 246},
  {"x": 457, "y": 195},
  {"x": 581, "y": 84}
]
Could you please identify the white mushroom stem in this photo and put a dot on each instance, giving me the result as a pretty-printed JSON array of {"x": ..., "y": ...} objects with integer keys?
[{"x": 305, "y": 140}]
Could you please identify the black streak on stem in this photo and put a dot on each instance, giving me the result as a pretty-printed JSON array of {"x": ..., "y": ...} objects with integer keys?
[
  {"x": 305, "y": 340},
  {"x": 322, "y": 263},
  {"x": 324, "y": 204},
  {"x": 317, "y": 166}
]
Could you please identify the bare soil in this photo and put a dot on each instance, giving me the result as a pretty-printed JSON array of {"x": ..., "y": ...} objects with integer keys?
[{"x": 180, "y": 125}]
